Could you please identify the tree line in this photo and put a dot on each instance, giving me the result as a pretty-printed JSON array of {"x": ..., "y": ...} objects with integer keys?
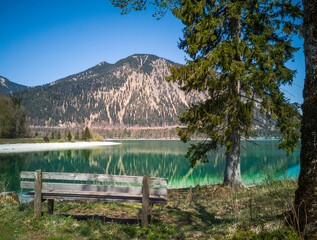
[
  {"x": 85, "y": 135},
  {"x": 13, "y": 121}
]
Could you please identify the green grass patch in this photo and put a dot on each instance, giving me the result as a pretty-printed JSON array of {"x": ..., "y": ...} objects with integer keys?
[{"x": 208, "y": 212}]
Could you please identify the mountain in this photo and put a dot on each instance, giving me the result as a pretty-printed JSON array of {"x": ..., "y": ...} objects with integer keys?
[
  {"x": 130, "y": 93},
  {"x": 8, "y": 87}
]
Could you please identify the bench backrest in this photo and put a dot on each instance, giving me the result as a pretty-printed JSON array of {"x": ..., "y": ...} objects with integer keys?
[{"x": 106, "y": 183}]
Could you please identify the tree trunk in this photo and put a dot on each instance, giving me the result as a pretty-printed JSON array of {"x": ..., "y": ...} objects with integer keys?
[
  {"x": 232, "y": 176},
  {"x": 306, "y": 194}
]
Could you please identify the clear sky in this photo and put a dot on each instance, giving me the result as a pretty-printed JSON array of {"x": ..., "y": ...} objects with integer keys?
[{"x": 45, "y": 40}]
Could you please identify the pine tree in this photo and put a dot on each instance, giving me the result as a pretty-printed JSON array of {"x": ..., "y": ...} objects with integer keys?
[
  {"x": 86, "y": 134},
  {"x": 238, "y": 50},
  {"x": 65, "y": 134},
  {"x": 69, "y": 136},
  {"x": 77, "y": 135},
  {"x": 59, "y": 136}
]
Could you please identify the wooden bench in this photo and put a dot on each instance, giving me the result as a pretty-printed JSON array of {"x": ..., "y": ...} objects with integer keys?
[{"x": 96, "y": 187}]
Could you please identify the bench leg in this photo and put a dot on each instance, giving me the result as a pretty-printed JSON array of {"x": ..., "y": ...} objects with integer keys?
[
  {"x": 145, "y": 216},
  {"x": 145, "y": 202},
  {"x": 50, "y": 206},
  {"x": 38, "y": 193}
]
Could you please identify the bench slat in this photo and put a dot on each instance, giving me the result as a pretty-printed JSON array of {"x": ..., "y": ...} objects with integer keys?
[
  {"x": 26, "y": 174},
  {"x": 47, "y": 186},
  {"x": 96, "y": 197},
  {"x": 93, "y": 177}
]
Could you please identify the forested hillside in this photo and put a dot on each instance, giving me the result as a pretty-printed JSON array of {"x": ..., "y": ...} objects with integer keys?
[{"x": 13, "y": 122}]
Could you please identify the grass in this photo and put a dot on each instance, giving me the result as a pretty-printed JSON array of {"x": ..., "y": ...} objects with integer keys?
[{"x": 207, "y": 212}]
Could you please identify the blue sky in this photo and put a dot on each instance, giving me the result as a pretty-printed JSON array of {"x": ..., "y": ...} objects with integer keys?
[{"x": 45, "y": 40}]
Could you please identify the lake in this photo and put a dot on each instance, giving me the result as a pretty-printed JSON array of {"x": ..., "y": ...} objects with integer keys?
[{"x": 260, "y": 161}]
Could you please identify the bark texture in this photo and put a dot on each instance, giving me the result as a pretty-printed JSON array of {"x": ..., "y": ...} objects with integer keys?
[
  {"x": 232, "y": 176},
  {"x": 306, "y": 194}
]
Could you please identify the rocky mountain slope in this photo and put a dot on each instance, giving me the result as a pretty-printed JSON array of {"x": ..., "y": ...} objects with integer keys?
[
  {"x": 8, "y": 87},
  {"x": 131, "y": 92}
]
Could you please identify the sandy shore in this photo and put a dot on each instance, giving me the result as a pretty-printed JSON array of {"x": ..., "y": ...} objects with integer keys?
[{"x": 35, "y": 147}]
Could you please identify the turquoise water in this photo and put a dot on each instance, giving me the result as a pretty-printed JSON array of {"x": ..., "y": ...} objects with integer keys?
[{"x": 260, "y": 161}]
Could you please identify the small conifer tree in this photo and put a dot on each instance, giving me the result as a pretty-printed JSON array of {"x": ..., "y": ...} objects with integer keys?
[
  {"x": 86, "y": 134},
  {"x": 59, "y": 136},
  {"x": 77, "y": 135},
  {"x": 69, "y": 136},
  {"x": 65, "y": 134}
]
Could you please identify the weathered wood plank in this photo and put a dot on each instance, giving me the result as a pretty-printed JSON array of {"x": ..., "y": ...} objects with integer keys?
[
  {"x": 27, "y": 184},
  {"x": 101, "y": 194},
  {"x": 145, "y": 201},
  {"x": 90, "y": 188},
  {"x": 38, "y": 193},
  {"x": 93, "y": 188},
  {"x": 94, "y": 177},
  {"x": 97, "y": 197},
  {"x": 47, "y": 186},
  {"x": 27, "y": 174}
]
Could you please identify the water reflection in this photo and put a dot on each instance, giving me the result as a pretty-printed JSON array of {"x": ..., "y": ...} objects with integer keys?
[{"x": 156, "y": 158}]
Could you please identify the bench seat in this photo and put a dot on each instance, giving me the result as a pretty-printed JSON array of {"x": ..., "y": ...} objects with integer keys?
[
  {"x": 97, "y": 196},
  {"x": 94, "y": 187}
]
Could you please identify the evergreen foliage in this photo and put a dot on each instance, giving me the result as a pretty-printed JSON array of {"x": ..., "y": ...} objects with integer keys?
[
  {"x": 238, "y": 50},
  {"x": 86, "y": 134},
  {"x": 13, "y": 122},
  {"x": 69, "y": 136},
  {"x": 255, "y": 60},
  {"x": 59, "y": 136},
  {"x": 77, "y": 135}
]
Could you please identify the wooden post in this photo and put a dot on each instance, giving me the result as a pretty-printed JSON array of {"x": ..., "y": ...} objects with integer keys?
[
  {"x": 38, "y": 193},
  {"x": 145, "y": 201},
  {"x": 50, "y": 206}
]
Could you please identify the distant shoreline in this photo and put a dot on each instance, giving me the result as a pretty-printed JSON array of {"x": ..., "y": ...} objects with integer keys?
[
  {"x": 35, "y": 147},
  {"x": 177, "y": 139}
]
